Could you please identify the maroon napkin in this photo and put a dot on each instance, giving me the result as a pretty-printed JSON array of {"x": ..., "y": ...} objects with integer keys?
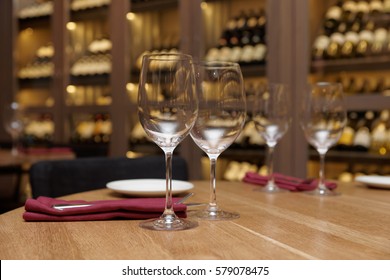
[
  {"x": 286, "y": 182},
  {"x": 41, "y": 209}
]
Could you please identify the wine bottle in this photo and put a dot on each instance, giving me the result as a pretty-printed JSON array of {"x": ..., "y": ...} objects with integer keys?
[
  {"x": 356, "y": 85},
  {"x": 376, "y": 7},
  {"x": 386, "y": 6},
  {"x": 319, "y": 47},
  {"x": 348, "y": 49},
  {"x": 332, "y": 19},
  {"x": 379, "y": 133},
  {"x": 242, "y": 22},
  {"x": 346, "y": 139},
  {"x": 362, "y": 139},
  {"x": 349, "y": 9},
  {"x": 252, "y": 20},
  {"x": 379, "y": 41},
  {"x": 333, "y": 50},
  {"x": 366, "y": 38},
  {"x": 362, "y": 9}
]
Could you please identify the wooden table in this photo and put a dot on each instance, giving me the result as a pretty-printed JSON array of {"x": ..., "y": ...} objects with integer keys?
[
  {"x": 27, "y": 159},
  {"x": 354, "y": 225}
]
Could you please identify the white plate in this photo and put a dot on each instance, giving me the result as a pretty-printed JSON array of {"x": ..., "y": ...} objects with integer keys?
[
  {"x": 148, "y": 187},
  {"x": 375, "y": 181}
]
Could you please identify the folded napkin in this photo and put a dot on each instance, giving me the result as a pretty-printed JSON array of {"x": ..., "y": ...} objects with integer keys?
[
  {"x": 286, "y": 182},
  {"x": 41, "y": 209}
]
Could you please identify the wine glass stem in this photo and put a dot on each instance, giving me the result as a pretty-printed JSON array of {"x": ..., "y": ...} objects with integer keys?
[
  {"x": 15, "y": 145},
  {"x": 168, "y": 196},
  {"x": 270, "y": 164},
  {"x": 213, "y": 189},
  {"x": 321, "y": 183}
]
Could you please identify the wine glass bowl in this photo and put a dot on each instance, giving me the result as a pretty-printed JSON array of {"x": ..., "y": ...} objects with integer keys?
[
  {"x": 323, "y": 118},
  {"x": 271, "y": 116},
  {"x": 221, "y": 117},
  {"x": 13, "y": 121},
  {"x": 167, "y": 110}
]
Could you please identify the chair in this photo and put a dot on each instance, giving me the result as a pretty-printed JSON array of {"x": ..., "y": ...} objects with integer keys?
[
  {"x": 10, "y": 183},
  {"x": 63, "y": 177}
]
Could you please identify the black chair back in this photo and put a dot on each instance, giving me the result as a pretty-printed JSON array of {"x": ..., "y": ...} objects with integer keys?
[
  {"x": 63, "y": 177},
  {"x": 10, "y": 184}
]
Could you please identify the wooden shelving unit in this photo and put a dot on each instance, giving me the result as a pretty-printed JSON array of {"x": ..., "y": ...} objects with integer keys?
[{"x": 287, "y": 61}]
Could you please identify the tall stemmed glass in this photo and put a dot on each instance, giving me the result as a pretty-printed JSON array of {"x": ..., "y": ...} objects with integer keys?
[
  {"x": 13, "y": 122},
  {"x": 323, "y": 118},
  {"x": 272, "y": 117},
  {"x": 167, "y": 110},
  {"x": 222, "y": 112}
]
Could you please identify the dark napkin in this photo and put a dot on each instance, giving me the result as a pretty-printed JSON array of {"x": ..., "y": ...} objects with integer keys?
[
  {"x": 286, "y": 182},
  {"x": 41, "y": 209}
]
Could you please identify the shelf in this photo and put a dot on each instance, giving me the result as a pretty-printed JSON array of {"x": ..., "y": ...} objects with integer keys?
[
  {"x": 144, "y": 148},
  {"x": 88, "y": 109},
  {"x": 367, "y": 102},
  {"x": 254, "y": 70},
  {"x": 41, "y": 21},
  {"x": 253, "y": 154},
  {"x": 40, "y": 82},
  {"x": 153, "y": 5},
  {"x": 352, "y": 64},
  {"x": 96, "y": 13},
  {"x": 103, "y": 79},
  {"x": 351, "y": 157},
  {"x": 39, "y": 110}
]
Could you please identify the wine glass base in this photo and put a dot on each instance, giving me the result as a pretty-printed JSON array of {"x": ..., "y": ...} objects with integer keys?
[
  {"x": 162, "y": 224},
  {"x": 271, "y": 188},
  {"x": 322, "y": 192},
  {"x": 218, "y": 215}
]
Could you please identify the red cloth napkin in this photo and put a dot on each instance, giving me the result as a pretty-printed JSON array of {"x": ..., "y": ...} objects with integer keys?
[
  {"x": 41, "y": 209},
  {"x": 286, "y": 182}
]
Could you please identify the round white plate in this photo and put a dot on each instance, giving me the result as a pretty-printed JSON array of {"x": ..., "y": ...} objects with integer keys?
[
  {"x": 375, "y": 181},
  {"x": 148, "y": 187}
]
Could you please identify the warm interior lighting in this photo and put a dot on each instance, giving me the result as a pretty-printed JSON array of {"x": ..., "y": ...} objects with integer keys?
[
  {"x": 71, "y": 89},
  {"x": 71, "y": 25},
  {"x": 130, "y": 86},
  {"x": 130, "y": 16},
  {"x": 203, "y": 5}
]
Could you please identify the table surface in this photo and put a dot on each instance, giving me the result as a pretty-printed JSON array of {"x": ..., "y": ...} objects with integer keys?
[
  {"x": 353, "y": 225},
  {"x": 27, "y": 159}
]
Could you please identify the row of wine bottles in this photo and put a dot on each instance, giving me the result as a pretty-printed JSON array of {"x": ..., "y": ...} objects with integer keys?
[
  {"x": 235, "y": 171},
  {"x": 96, "y": 129},
  {"x": 367, "y": 131},
  {"x": 45, "y": 8},
  {"x": 358, "y": 84},
  {"x": 243, "y": 39},
  {"x": 354, "y": 29},
  {"x": 36, "y": 9},
  {"x": 41, "y": 66}
]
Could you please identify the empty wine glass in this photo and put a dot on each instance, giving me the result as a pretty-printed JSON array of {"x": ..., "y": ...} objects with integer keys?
[
  {"x": 13, "y": 123},
  {"x": 222, "y": 112},
  {"x": 167, "y": 110},
  {"x": 271, "y": 115},
  {"x": 323, "y": 118}
]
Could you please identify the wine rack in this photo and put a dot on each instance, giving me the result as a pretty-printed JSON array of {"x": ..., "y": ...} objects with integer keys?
[
  {"x": 352, "y": 47},
  {"x": 69, "y": 98}
]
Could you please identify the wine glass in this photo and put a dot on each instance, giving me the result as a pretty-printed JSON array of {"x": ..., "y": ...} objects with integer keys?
[
  {"x": 167, "y": 110},
  {"x": 323, "y": 118},
  {"x": 221, "y": 116},
  {"x": 272, "y": 117},
  {"x": 14, "y": 124}
]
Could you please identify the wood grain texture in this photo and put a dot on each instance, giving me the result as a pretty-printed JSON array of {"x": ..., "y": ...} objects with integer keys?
[{"x": 354, "y": 225}]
